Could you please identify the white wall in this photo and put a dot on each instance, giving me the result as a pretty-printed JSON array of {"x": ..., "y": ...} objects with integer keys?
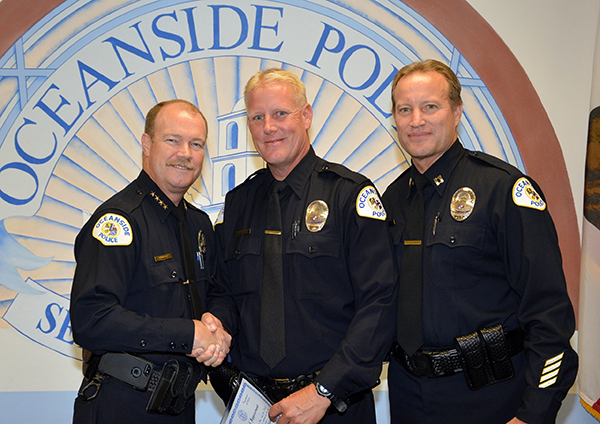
[{"x": 554, "y": 40}]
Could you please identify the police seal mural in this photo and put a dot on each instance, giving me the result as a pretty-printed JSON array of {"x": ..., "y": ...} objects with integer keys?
[{"x": 74, "y": 90}]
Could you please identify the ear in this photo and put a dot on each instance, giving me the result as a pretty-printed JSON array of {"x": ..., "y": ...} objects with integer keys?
[
  {"x": 146, "y": 143},
  {"x": 307, "y": 115},
  {"x": 457, "y": 114}
]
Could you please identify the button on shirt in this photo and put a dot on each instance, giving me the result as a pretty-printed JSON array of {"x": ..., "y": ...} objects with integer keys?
[
  {"x": 501, "y": 265},
  {"x": 132, "y": 298},
  {"x": 339, "y": 282}
]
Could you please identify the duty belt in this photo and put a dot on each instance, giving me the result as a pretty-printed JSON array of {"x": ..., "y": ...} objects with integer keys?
[
  {"x": 450, "y": 361},
  {"x": 171, "y": 386}
]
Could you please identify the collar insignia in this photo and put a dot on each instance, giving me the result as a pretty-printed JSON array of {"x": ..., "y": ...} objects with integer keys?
[{"x": 159, "y": 200}]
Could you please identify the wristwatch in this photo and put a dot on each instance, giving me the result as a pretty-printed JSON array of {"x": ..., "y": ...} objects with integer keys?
[
  {"x": 322, "y": 391},
  {"x": 339, "y": 404}
]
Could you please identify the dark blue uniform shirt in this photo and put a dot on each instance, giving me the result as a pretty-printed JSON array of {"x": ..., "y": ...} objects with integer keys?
[
  {"x": 501, "y": 265},
  {"x": 339, "y": 282}
]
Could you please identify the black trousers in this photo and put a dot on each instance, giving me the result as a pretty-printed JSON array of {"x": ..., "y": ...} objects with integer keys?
[{"x": 426, "y": 400}]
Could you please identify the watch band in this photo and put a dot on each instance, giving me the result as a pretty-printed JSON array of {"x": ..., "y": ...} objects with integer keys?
[{"x": 338, "y": 404}]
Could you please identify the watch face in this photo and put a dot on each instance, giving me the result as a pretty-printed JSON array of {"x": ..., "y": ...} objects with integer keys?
[{"x": 322, "y": 390}]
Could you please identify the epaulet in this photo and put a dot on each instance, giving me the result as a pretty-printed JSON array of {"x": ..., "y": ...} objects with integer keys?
[
  {"x": 494, "y": 161},
  {"x": 251, "y": 177},
  {"x": 127, "y": 200},
  {"x": 341, "y": 170}
]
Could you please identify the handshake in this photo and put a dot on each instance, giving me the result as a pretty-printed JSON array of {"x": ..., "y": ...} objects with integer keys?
[{"x": 211, "y": 341}]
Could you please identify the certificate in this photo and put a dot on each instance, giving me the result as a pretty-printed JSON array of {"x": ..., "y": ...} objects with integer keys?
[{"x": 249, "y": 406}]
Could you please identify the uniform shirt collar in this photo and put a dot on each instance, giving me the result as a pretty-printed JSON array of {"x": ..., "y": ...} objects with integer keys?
[
  {"x": 440, "y": 172},
  {"x": 160, "y": 200},
  {"x": 298, "y": 178}
]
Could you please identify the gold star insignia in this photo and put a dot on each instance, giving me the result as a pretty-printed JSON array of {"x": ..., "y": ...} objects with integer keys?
[{"x": 158, "y": 199}]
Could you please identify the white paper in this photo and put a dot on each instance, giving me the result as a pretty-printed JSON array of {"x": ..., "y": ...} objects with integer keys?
[{"x": 249, "y": 406}]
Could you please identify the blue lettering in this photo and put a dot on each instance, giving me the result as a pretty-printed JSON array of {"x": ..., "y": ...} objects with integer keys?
[
  {"x": 322, "y": 44},
  {"x": 20, "y": 167},
  {"x": 217, "y": 27},
  {"x": 346, "y": 56},
  {"x": 50, "y": 318},
  {"x": 26, "y": 157},
  {"x": 54, "y": 113},
  {"x": 258, "y": 26},
  {"x": 168, "y": 36},
  {"x": 119, "y": 44},
  {"x": 99, "y": 77},
  {"x": 66, "y": 326},
  {"x": 192, "y": 29},
  {"x": 383, "y": 87}
]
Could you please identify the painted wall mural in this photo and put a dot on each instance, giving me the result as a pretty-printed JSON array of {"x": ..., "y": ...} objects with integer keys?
[{"x": 75, "y": 87}]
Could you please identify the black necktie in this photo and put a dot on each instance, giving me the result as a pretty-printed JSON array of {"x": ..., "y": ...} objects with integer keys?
[
  {"x": 410, "y": 306},
  {"x": 272, "y": 320},
  {"x": 188, "y": 257}
]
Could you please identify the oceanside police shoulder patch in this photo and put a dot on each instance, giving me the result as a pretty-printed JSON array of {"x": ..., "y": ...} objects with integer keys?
[
  {"x": 369, "y": 205},
  {"x": 525, "y": 195},
  {"x": 113, "y": 230}
]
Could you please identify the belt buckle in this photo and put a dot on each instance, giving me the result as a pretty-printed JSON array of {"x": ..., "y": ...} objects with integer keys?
[{"x": 421, "y": 364}]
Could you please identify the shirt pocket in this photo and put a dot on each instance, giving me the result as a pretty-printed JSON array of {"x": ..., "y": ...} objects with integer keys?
[
  {"x": 165, "y": 271},
  {"x": 167, "y": 293},
  {"x": 397, "y": 232},
  {"x": 315, "y": 267},
  {"x": 456, "y": 253},
  {"x": 243, "y": 259}
]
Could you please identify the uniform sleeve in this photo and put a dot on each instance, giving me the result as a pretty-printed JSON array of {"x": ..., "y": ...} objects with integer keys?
[
  {"x": 99, "y": 318},
  {"x": 534, "y": 267},
  {"x": 357, "y": 363}
]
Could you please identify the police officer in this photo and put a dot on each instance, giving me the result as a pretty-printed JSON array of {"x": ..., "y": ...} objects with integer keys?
[
  {"x": 494, "y": 320},
  {"x": 133, "y": 294},
  {"x": 336, "y": 258}
]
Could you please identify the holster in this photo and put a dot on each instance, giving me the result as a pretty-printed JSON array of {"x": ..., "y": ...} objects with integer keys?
[
  {"x": 176, "y": 384},
  {"x": 485, "y": 357}
]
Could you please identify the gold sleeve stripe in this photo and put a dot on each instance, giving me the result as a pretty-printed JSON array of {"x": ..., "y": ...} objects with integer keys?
[
  {"x": 548, "y": 376},
  {"x": 550, "y": 371},
  {"x": 551, "y": 367},
  {"x": 555, "y": 359},
  {"x": 547, "y": 383}
]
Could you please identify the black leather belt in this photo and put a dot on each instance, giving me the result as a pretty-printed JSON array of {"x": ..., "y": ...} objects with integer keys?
[
  {"x": 280, "y": 388},
  {"x": 447, "y": 362}
]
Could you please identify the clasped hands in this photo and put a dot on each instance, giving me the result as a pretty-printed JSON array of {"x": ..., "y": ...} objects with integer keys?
[{"x": 211, "y": 341}]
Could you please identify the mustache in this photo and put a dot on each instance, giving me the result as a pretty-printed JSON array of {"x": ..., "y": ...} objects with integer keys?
[{"x": 182, "y": 164}]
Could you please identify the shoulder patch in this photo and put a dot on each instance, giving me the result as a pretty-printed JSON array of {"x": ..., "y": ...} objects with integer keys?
[
  {"x": 113, "y": 230},
  {"x": 369, "y": 205},
  {"x": 525, "y": 195}
]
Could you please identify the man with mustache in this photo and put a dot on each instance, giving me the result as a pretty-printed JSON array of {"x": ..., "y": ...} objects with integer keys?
[{"x": 144, "y": 265}]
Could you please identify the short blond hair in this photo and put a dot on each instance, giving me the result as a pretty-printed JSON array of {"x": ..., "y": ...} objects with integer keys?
[{"x": 277, "y": 76}]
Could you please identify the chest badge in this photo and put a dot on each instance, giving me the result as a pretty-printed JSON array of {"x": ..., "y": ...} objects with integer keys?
[
  {"x": 201, "y": 253},
  {"x": 462, "y": 204},
  {"x": 316, "y": 215}
]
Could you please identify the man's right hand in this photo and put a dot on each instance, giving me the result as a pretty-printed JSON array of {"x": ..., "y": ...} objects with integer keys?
[{"x": 207, "y": 347}]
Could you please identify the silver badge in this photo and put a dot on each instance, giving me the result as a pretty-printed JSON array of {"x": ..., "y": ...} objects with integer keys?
[
  {"x": 316, "y": 215},
  {"x": 463, "y": 202}
]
